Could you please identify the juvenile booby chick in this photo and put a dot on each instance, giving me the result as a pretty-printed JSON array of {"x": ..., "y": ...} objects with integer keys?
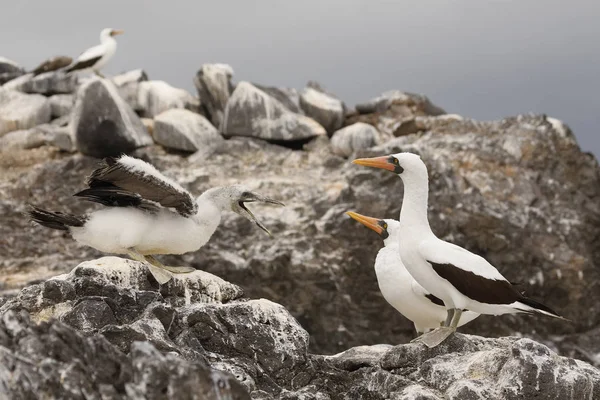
[
  {"x": 98, "y": 56},
  {"x": 148, "y": 213},
  {"x": 462, "y": 280},
  {"x": 398, "y": 287}
]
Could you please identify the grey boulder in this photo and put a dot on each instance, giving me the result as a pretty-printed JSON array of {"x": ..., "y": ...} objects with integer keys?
[
  {"x": 355, "y": 137},
  {"x": 22, "y": 111},
  {"x": 252, "y": 112},
  {"x": 128, "y": 84},
  {"x": 184, "y": 130},
  {"x": 213, "y": 83},
  {"x": 155, "y": 97},
  {"x": 323, "y": 108},
  {"x": 61, "y": 105},
  {"x": 48, "y": 83},
  {"x": 9, "y": 70},
  {"x": 103, "y": 124}
]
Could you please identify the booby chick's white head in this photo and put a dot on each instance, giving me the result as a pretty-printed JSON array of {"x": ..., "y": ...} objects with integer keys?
[
  {"x": 234, "y": 197},
  {"x": 387, "y": 229}
]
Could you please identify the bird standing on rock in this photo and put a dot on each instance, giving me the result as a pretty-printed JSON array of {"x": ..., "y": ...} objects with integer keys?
[
  {"x": 148, "y": 214},
  {"x": 397, "y": 286},
  {"x": 461, "y": 279},
  {"x": 98, "y": 56}
]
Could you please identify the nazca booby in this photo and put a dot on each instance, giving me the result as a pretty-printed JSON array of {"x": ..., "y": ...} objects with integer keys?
[
  {"x": 148, "y": 213},
  {"x": 98, "y": 56},
  {"x": 398, "y": 287},
  {"x": 463, "y": 280}
]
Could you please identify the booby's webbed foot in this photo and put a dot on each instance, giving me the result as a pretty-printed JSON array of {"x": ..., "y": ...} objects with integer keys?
[
  {"x": 179, "y": 270},
  {"x": 161, "y": 275},
  {"x": 175, "y": 270},
  {"x": 435, "y": 337}
]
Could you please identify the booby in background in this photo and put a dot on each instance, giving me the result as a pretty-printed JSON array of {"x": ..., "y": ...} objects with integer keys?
[
  {"x": 461, "y": 279},
  {"x": 98, "y": 56},
  {"x": 398, "y": 287},
  {"x": 147, "y": 213},
  {"x": 52, "y": 64}
]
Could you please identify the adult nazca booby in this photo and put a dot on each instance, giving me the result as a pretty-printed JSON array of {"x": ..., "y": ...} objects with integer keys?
[
  {"x": 398, "y": 287},
  {"x": 463, "y": 280},
  {"x": 98, "y": 56},
  {"x": 148, "y": 213}
]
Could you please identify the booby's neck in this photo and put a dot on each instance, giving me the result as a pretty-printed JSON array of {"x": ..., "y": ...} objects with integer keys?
[{"x": 413, "y": 215}]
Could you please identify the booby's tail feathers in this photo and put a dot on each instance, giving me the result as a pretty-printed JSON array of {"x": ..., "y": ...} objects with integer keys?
[
  {"x": 535, "y": 307},
  {"x": 54, "y": 220}
]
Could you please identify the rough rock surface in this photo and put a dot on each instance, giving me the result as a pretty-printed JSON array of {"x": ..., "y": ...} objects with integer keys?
[
  {"x": 252, "y": 112},
  {"x": 388, "y": 111},
  {"x": 61, "y": 104},
  {"x": 22, "y": 111},
  {"x": 128, "y": 84},
  {"x": 213, "y": 83},
  {"x": 184, "y": 130},
  {"x": 324, "y": 108},
  {"x": 289, "y": 97},
  {"x": 9, "y": 70},
  {"x": 155, "y": 97},
  {"x": 48, "y": 83},
  {"x": 103, "y": 123},
  {"x": 517, "y": 191},
  {"x": 355, "y": 137},
  {"x": 104, "y": 325}
]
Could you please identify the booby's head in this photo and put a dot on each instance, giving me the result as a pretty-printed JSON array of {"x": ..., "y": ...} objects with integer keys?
[
  {"x": 109, "y": 32},
  {"x": 402, "y": 164},
  {"x": 387, "y": 229},
  {"x": 234, "y": 198}
]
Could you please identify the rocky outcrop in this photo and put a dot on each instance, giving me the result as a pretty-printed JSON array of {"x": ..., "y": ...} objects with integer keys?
[
  {"x": 9, "y": 70},
  {"x": 213, "y": 83},
  {"x": 324, "y": 108},
  {"x": 21, "y": 111},
  {"x": 48, "y": 83},
  {"x": 103, "y": 124},
  {"x": 252, "y": 112},
  {"x": 388, "y": 111},
  {"x": 107, "y": 328},
  {"x": 358, "y": 136},
  {"x": 517, "y": 191},
  {"x": 184, "y": 130},
  {"x": 155, "y": 97}
]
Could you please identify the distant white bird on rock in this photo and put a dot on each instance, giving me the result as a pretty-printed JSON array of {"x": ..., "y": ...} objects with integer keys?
[
  {"x": 462, "y": 280},
  {"x": 148, "y": 213},
  {"x": 98, "y": 56},
  {"x": 397, "y": 285}
]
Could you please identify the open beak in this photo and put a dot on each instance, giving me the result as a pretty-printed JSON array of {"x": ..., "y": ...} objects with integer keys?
[
  {"x": 376, "y": 162},
  {"x": 116, "y": 32},
  {"x": 248, "y": 214},
  {"x": 371, "y": 223}
]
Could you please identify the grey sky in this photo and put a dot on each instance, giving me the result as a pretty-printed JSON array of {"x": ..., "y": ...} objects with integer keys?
[{"x": 482, "y": 59}]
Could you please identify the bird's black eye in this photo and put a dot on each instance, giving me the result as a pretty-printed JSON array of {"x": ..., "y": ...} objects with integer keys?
[{"x": 245, "y": 194}]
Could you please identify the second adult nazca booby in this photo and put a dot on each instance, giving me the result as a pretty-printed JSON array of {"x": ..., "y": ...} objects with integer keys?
[
  {"x": 398, "y": 287},
  {"x": 148, "y": 213},
  {"x": 98, "y": 56}
]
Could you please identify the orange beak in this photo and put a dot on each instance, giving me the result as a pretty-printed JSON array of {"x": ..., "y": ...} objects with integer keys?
[
  {"x": 376, "y": 162},
  {"x": 116, "y": 32},
  {"x": 371, "y": 223}
]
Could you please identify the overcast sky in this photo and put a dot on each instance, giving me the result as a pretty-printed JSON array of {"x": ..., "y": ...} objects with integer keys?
[{"x": 484, "y": 59}]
